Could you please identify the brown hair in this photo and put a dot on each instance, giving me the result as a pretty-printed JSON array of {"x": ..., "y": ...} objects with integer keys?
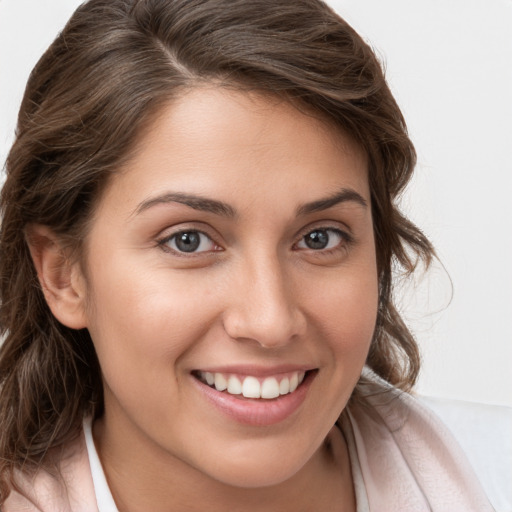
[{"x": 102, "y": 80}]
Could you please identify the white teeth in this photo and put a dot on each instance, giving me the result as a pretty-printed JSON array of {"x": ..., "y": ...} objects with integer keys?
[
  {"x": 294, "y": 382},
  {"x": 220, "y": 382},
  {"x": 284, "y": 386},
  {"x": 234, "y": 386},
  {"x": 270, "y": 388},
  {"x": 251, "y": 387}
]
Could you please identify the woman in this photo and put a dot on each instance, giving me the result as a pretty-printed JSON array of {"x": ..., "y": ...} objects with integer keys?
[{"x": 199, "y": 234}]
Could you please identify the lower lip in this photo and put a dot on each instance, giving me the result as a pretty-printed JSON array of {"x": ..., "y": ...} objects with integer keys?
[{"x": 257, "y": 412}]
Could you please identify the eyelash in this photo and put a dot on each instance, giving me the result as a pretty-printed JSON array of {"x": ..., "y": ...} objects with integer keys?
[
  {"x": 163, "y": 243},
  {"x": 345, "y": 241}
]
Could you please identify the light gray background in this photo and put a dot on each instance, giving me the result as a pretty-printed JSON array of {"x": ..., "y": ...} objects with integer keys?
[{"x": 449, "y": 63}]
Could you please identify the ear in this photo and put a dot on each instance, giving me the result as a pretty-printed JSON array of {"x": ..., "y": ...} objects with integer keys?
[{"x": 61, "y": 280}]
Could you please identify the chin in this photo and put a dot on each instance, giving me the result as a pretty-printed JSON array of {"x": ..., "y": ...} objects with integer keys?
[
  {"x": 253, "y": 476},
  {"x": 261, "y": 466}
]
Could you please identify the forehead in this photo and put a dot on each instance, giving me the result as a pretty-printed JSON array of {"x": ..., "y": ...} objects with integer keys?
[{"x": 217, "y": 141}]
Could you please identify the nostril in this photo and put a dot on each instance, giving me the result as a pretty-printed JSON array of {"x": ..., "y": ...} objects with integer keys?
[{"x": 265, "y": 331}]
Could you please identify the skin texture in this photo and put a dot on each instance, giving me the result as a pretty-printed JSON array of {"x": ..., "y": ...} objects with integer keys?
[{"x": 255, "y": 295}]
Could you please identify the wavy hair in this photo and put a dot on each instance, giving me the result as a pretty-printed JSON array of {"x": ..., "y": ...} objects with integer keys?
[{"x": 104, "y": 78}]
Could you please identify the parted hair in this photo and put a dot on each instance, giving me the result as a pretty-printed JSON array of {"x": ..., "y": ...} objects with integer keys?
[{"x": 104, "y": 78}]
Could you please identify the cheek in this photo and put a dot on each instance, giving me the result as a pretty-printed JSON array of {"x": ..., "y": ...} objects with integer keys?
[
  {"x": 144, "y": 320},
  {"x": 140, "y": 339},
  {"x": 346, "y": 305},
  {"x": 346, "y": 316}
]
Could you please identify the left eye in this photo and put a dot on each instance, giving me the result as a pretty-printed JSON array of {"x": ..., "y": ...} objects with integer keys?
[
  {"x": 321, "y": 239},
  {"x": 190, "y": 241}
]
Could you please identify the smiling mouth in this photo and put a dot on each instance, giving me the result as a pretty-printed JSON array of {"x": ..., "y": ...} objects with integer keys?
[{"x": 248, "y": 386}]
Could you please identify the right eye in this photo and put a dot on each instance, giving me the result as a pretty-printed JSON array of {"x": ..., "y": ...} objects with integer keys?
[{"x": 190, "y": 241}]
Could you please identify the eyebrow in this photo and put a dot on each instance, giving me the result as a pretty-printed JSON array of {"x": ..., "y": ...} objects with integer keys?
[
  {"x": 343, "y": 196},
  {"x": 196, "y": 202},
  {"x": 225, "y": 210}
]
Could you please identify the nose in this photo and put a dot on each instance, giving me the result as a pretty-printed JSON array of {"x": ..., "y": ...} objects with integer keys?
[{"x": 263, "y": 306}]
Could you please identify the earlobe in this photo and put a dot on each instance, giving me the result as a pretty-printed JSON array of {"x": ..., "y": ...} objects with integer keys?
[{"x": 61, "y": 280}]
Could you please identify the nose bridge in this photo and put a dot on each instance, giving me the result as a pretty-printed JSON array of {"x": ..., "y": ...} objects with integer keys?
[{"x": 264, "y": 307}]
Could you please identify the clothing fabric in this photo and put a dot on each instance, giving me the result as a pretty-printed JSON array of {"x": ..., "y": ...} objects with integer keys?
[
  {"x": 408, "y": 459},
  {"x": 402, "y": 458}
]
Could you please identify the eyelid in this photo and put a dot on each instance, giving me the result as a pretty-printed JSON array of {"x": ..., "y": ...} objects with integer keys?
[
  {"x": 339, "y": 234},
  {"x": 163, "y": 241},
  {"x": 345, "y": 233}
]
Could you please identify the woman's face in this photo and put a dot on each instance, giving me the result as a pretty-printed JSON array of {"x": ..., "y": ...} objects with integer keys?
[{"x": 235, "y": 249}]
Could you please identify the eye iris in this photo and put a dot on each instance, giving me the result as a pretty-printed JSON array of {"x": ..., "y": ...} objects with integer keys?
[
  {"x": 188, "y": 242},
  {"x": 317, "y": 239}
]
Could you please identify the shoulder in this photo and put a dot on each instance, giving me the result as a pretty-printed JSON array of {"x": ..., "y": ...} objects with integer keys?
[
  {"x": 409, "y": 460},
  {"x": 71, "y": 491}
]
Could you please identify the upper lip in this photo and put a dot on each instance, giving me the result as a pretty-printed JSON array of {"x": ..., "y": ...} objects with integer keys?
[{"x": 257, "y": 370}]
